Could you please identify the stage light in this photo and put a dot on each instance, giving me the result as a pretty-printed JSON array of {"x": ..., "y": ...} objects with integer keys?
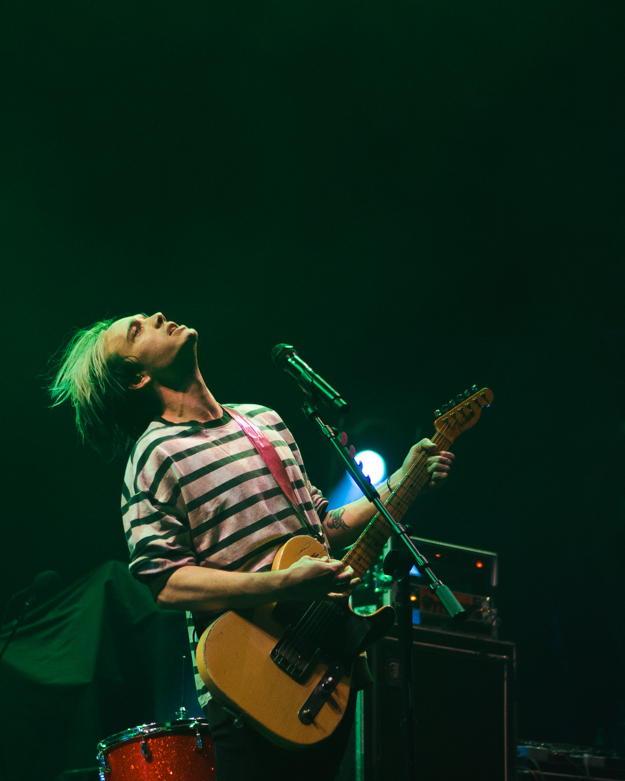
[
  {"x": 372, "y": 465},
  {"x": 479, "y": 565},
  {"x": 347, "y": 491}
]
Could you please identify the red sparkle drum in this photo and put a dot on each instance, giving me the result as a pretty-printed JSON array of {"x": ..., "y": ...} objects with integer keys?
[{"x": 176, "y": 751}]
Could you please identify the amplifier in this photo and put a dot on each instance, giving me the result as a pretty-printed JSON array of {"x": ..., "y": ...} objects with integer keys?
[
  {"x": 464, "y": 703},
  {"x": 428, "y": 610},
  {"x": 562, "y": 761},
  {"x": 469, "y": 572}
]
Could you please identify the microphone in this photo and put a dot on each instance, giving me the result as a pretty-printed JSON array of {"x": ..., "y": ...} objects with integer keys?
[
  {"x": 45, "y": 583},
  {"x": 286, "y": 358}
]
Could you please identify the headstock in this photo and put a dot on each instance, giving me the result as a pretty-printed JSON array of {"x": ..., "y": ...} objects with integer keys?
[{"x": 460, "y": 414}]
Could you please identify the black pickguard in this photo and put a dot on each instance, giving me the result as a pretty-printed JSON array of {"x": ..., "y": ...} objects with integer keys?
[{"x": 333, "y": 634}]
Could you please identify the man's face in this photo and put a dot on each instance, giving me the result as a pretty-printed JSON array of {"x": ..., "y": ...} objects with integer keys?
[{"x": 156, "y": 343}]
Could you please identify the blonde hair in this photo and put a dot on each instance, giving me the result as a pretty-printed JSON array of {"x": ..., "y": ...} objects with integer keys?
[{"x": 108, "y": 415}]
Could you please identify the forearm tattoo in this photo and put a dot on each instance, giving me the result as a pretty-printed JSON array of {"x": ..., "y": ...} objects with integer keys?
[{"x": 334, "y": 519}]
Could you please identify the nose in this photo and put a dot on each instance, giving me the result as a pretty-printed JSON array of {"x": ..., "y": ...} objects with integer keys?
[{"x": 159, "y": 319}]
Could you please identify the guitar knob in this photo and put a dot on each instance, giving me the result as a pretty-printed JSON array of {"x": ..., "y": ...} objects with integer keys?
[
  {"x": 343, "y": 438},
  {"x": 352, "y": 451}
]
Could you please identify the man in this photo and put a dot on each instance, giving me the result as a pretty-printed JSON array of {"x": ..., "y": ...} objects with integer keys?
[{"x": 203, "y": 513}]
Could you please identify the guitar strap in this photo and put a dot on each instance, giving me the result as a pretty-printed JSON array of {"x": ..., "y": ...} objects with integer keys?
[
  {"x": 266, "y": 451},
  {"x": 274, "y": 463}
]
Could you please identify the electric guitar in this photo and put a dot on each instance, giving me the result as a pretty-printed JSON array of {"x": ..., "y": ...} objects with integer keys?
[{"x": 286, "y": 668}]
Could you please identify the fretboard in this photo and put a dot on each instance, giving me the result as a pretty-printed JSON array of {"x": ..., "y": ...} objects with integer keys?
[{"x": 371, "y": 542}]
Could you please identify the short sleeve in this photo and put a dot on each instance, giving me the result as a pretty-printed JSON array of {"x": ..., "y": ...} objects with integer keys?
[
  {"x": 319, "y": 501},
  {"x": 155, "y": 523}
]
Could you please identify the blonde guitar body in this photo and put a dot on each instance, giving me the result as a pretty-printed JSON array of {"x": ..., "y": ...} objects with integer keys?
[
  {"x": 234, "y": 660},
  {"x": 287, "y": 668}
]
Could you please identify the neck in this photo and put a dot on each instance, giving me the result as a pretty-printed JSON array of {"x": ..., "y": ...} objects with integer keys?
[{"x": 190, "y": 400}]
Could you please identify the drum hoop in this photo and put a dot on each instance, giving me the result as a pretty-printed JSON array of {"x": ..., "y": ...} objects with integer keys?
[{"x": 147, "y": 730}]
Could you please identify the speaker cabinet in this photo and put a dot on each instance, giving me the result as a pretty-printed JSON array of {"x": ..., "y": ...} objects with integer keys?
[{"x": 464, "y": 704}]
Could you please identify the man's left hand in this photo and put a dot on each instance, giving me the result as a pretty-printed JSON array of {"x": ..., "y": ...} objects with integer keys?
[{"x": 438, "y": 463}]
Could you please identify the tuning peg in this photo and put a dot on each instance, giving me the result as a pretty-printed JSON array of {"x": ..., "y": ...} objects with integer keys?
[
  {"x": 459, "y": 398},
  {"x": 451, "y": 403},
  {"x": 445, "y": 408},
  {"x": 467, "y": 394},
  {"x": 473, "y": 388},
  {"x": 437, "y": 413}
]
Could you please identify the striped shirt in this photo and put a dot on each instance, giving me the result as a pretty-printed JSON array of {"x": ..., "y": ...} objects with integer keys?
[{"x": 199, "y": 494}]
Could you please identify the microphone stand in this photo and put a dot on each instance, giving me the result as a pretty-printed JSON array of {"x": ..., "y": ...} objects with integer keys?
[
  {"x": 18, "y": 621},
  {"x": 399, "y": 562},
  {"x": 44, "y": 582}
]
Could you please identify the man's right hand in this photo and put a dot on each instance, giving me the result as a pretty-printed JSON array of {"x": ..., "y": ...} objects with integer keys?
[
  {"x": 310, "y": 578},
  {"x": 202, "y": 588}
]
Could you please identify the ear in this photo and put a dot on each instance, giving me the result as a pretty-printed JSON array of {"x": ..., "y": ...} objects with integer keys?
[{"x": 141, "y": 380}]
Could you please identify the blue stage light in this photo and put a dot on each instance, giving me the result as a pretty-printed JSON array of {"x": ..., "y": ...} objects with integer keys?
[
  {"x": 372, "y": 465},
  {"x": 347, "y": 491}
]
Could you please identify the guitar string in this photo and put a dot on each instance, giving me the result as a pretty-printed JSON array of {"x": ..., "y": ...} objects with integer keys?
[
  {"x": 312, "y": 623},
  {"x": 318, "y": 615}
]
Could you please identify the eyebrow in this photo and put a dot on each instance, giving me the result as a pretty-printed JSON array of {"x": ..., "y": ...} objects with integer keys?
[{"x": 132, "y": 323}]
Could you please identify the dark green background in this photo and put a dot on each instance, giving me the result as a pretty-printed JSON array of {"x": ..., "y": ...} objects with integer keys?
[{"x": 419, "y": 195}]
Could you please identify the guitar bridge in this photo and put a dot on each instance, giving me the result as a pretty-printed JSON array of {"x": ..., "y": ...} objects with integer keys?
[{"x": 321, "y": 694}]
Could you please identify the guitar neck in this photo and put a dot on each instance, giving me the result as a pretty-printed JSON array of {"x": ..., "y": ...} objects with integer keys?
[{"x": 371, "y": 542}]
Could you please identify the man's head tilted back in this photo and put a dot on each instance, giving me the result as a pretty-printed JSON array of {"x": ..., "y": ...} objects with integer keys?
[{"x": 111, "y": 373}]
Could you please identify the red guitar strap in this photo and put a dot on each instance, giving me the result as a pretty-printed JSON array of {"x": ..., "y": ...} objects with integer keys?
[{"x": 267, "y": 452}]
